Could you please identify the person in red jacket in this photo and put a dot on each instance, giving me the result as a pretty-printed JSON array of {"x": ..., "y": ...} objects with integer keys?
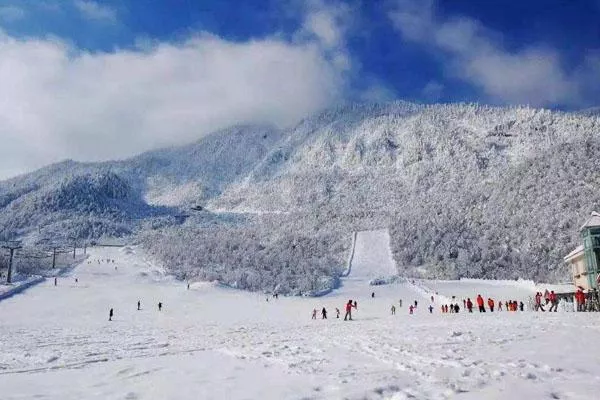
[
  {"x": 480, "y": 303},
  {"x": 538, "y": 302},
  {"x": 349, "y": 306},
  {"x": 580, "y": 298},
  {"x": 553, "y": 301},
  {"x": 469, "y": 305},
  {"x": 491, "y": 304}
]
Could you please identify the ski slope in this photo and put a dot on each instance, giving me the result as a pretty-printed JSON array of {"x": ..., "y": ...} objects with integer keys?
[
  {"x": 372, "y": 259},
  {"x": 373, "y": 256},
  {"x": 211, "y": 342}
]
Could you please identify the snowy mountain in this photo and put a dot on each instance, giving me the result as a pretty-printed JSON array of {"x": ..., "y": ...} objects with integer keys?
[
  {"x": 466, "y": 191},
  {"x": 90, "y": 200}
]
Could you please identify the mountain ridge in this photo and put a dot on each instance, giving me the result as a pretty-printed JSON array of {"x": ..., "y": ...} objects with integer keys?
[{"x": 450, "y": 181}]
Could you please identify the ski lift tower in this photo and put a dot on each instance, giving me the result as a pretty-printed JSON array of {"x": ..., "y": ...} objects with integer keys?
[
  {"x": 590, "y": 233},
  {"x": 11, "y": 247}
]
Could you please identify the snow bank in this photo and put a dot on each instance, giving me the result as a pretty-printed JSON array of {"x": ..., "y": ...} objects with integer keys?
[{"x": 10, "y": 290}]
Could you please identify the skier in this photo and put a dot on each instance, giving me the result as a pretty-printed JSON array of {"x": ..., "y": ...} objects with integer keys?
[
  {"x": 480, "y": 303},
  {"x": 538, "y": 302},
  {"x": 553, "y": 301},
  {"x": 76, "y": 280},
  {"x": 188, "y": 286},
  {"x": 55, "y": 281},
  {"x": 415, "y": 304},
  {"x": 139, "y": 305},
  {"x": 159, "y": 306},
  {"x": 469, "y": 305},
  {"x": 521, "y": 306},
  {"x": 393, "y": 309},
  {"x": 411, "y": 309},
  {"x": 491, "y": 304},
  {"x": 464, "y": 303},
  {"x": 355, "y": 305},
  {"x": 430, "y": 309},
  {"x": 400, "y": 303},
  {"x": 349, "y": 306},
  {"x": 456, "y": 308},
  {"x": 323, "y": 313},
  {"x": 314, "y": 313},
  {"x": 432, "y": 299},
  {"x": 110, "y": 314},
  {"x": 337, "y": 313},
  {"x": 500, "y": 306},
  {"x": 373, "y": 295}
]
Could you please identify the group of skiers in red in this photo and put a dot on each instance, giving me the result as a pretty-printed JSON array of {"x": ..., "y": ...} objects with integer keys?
[
  {"x": 510, "y": 305},
  {"x": 348, "y": 316},
  {"x": 549, "y": 298}
]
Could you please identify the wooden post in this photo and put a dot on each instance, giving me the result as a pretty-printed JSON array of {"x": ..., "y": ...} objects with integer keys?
[
  {"x": 9, "y": 274},
  {"x": 12, "y": 249}
]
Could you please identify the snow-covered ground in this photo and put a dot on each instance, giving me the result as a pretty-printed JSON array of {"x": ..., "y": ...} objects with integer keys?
[{"x": 215, "y": 343}]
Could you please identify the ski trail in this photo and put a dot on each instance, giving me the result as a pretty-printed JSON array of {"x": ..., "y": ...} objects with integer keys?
[{"x": 372, "y": 256}]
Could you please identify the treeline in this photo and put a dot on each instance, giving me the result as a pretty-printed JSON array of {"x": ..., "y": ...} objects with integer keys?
[{"x": 267, "y": 255}]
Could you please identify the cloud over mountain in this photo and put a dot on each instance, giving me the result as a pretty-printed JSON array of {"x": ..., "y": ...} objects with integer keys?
[{"x": 63, "y": 102}]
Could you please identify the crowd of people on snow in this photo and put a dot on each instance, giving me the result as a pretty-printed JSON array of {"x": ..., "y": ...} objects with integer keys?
[
  {"x": 584, "y": 302},
  {"x": 347, "y": 317},
  {"x": 589, "y": 301},
  {"x": 507, "y": 305}
]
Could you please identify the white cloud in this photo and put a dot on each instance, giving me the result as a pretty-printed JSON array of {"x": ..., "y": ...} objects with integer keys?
[
  {"x": 474, "y": 54},
  {"x": 11, "y": 13},
  {"x": 94, "y": 11},
  {"x": 376, "y": 92},
  {"x": 327, "y": 24},
  {"x": 59, "y": 102},
  {"x": 433, "y": 90}
]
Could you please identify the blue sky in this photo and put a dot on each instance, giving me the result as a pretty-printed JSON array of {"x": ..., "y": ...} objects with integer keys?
[{"x": 86, "y": 72}]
